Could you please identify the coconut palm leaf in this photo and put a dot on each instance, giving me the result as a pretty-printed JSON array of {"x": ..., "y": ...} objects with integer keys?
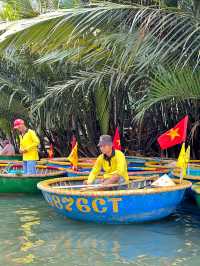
[
  {"x": 177, "y": 86},
  {"x": 176, "y": 32}
]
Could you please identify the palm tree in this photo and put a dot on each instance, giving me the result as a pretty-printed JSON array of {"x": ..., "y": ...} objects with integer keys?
[{"x": 114, "y": 50}]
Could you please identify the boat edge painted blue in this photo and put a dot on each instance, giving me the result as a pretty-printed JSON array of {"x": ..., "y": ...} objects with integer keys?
[{"x": 96, "y": 207}]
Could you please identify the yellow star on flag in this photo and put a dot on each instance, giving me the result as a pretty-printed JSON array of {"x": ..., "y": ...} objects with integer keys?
[
  {"x": 173, "y": 133},
  {"x": 118, "y": 142}
]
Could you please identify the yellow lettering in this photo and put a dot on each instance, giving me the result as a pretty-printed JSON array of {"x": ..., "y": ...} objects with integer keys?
[
  {"x": 97, "y": 202},
  {"x": 69, "y": 202},
  {"x": 115, "y": 203},
  {"x": 82, "y": 206},
  {"x": 56, "y": 202}
]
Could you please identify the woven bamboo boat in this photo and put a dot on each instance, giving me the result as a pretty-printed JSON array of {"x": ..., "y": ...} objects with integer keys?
[
  {"x": 164, "y": 164},
  {"x": 64, "y": 163},
  {"x": 193, "y": 169},
  {"x": 196, "y": 192},
  {"x": 12, "y": 179},
  {"x": 115, "y": 207},
  {"x": 131, "y": 172},
  {"x": 193, "y": 175},
  {"x": 141, "y": 161}
]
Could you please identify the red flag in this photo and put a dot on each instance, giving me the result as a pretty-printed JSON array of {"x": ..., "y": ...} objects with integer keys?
[
  {"x": 175, "y": 135},
  {"x": 51, "y": 151},
  {"x": 116, "y": 140},
  {"x": 73, "y": 142}
]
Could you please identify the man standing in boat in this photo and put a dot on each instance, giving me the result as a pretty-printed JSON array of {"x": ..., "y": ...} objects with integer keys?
[
  {"x": 112, "y": 162},
  {"x": 29, "y": 143}
]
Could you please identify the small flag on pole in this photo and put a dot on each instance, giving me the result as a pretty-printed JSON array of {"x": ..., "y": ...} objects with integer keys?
[
  {"x": 183, "y": 160},
  {"x": 116, "y": 140},
  {"x": 181, "y": 157},
  {"x": 73, "y": 157}
]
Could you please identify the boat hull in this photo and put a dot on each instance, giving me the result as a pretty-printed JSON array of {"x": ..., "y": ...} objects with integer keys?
[
  {"x": 196, "y": 192},
  {"x": 114, "y": 207},
  {"x": 19, "y": 183},
  {"x": 85, "y": 172},
  {"x": 16, "y": 157},
  {"x": 112, "y": 210}
]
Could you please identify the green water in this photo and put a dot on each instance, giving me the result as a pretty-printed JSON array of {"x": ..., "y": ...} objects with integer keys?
[{"x": 32, "y": 234}]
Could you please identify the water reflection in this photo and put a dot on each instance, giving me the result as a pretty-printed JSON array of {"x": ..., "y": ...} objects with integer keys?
[
  {"x": 29, "y": 219},
  {"x": 33, "y": 234}
]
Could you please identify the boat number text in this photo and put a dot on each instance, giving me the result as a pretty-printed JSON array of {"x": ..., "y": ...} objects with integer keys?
[{"x": 98, "y": 205}]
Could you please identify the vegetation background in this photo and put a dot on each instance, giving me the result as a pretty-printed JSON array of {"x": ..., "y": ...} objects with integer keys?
[{"x": 84, "y": 68}]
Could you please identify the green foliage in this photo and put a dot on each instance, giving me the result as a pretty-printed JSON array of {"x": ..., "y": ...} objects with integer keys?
[
  {"x": 177, "y": 85},
  {"x": 90, "y": 68},
  {"x": 102, "y": 107}
]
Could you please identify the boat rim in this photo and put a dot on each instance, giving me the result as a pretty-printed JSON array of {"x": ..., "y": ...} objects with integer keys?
[
  {"x": 158, "y": 171},
  {"x": 161, "y": 164},
  {"x": 58, "y": 171},
  {"x": 45, "y": 186},
  {"x": 187, "y": 177}
]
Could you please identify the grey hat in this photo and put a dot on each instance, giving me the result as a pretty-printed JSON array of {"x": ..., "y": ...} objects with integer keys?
[{"x": 105, "y": 140}]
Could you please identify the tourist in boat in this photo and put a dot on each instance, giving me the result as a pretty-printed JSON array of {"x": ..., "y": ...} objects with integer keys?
[
  {"x": 112, "y": 162},
  {"x": 29, "y": 143},
  {"x": 8, "y": 148}
]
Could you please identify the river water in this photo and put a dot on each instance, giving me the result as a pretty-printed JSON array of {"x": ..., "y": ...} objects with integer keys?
[{"x": 33, "y": 234}]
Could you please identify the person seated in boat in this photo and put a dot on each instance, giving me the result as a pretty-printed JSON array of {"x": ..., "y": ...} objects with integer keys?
[
  {"x": 29, "y": 143},
  {"x": 8, "y": 148},
  {"x": 112, "y": 162}
]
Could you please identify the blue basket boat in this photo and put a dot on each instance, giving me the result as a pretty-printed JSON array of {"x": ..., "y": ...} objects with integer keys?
[
  {"x": 64, "y": 162},
  {"x": 131, "y": 205},
  {"x": 193, "y": 175},
  {"x": 132, "y": 172}
]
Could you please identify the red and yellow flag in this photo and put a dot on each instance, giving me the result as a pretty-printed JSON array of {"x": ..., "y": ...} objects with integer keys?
[
  {"x": 175, "y": 135},
  {"x": 116, "y": 140},
  {"x": 73, "y": 157},
  {"x": 50, "y": 152}
]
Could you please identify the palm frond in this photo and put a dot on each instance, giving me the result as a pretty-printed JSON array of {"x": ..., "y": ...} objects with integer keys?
[{"x": 168, "y": 85}]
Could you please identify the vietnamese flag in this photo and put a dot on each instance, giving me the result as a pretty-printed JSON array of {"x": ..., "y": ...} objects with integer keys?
[
  {"x": 116, "y": 140},
  {"x": 51, "y": 151},
  {"x": 175, "y": 135}
]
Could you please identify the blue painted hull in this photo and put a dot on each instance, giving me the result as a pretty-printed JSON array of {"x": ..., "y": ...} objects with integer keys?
[
  {"x": 58, "y": 165},
  {"x": 193, "y": 171},
  {"x": 116, "y": 210}
]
